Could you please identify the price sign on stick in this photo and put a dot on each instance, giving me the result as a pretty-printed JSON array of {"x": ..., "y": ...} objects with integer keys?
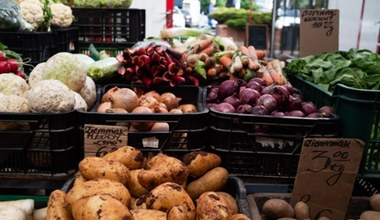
[
  {"x": 326, "y": 175},
  {"x": 101, "y": 139},
  {"x": 319, "y": 31}
]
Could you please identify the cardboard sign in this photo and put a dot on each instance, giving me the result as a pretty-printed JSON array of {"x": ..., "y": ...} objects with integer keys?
[
  {"x": 326, "y": 175},
  {"x": 257, "y": 36},
  {"x": 101, "y": 139},
  {"x": 319, "y": 31}
]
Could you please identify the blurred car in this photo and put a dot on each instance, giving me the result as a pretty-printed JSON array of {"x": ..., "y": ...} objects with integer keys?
[
  {"x": 178, "y": 18},
  {"x": 188, "y": 19},
  {"x": 288, "y": 18}
]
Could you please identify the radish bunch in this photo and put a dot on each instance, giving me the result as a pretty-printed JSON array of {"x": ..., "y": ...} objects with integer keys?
[{"x": 11, "y": 62}]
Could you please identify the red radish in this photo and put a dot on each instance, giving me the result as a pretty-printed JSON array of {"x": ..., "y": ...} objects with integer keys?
[
  {"x": 14, "y": 65},
  {"x": 2, "y": 56},
  {"x": 4, "y": 67}
]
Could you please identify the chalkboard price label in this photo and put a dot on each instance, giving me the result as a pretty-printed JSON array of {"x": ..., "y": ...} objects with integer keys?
[
  {"x": 257, "y": 36},
  {"x": 101, "y": 139},
  {"x": 319, "y": 31},
  {"x": 326, "y": 175}
]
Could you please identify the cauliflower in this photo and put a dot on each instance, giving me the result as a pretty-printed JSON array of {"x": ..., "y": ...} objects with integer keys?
[
  {"x": 65, "y": 67},
  {"x": 80, "y": 103},
  {"x": 11, "y": 84},
  {"x": 14, "y": 103},
  {"x": 51, "y": 96},
  {"x": 36, "y": 74},
  {"x": 88, "y": 92},
  {"x": 32, "y": 12},
  {"x": 62, "y": 15}
]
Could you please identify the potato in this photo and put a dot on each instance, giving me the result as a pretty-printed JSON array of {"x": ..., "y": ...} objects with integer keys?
[
  {"x": 374, "y": 201},
  {"x": 148, "y": 214},
  {"x": 232, "y": 205},
  {"x": 199, "y": 162},
  {"x": 93, "y": 168},
  {"x": 213, "y": 180},
  {"x": 301, "y": 211},
  {"x": 56, "y": 207},
  {"x": 100, "y": 207},
  {"x": 131, "y": 157},
  {"x": 138, "y": 203},
  {"x": 323, "y": 218},
  {"x": 370, "y": 215},
  {"x": 99, "y": 187},
  {"x": 239, "y": 216},
  {"x": 277, "y": 208},
  {"x": 171, "y": 195},
  {"x": 134, "y": 185},
  {"x": 210, "y": 205},
  {"x": 162, "y": 168}
]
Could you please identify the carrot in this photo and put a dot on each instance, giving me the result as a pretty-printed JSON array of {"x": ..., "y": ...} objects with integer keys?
[
  {"x": 208, "y": 50},
  {"x": 225, "y": 60},
  {"x": 236, "y": 65},
  {"x": 203, "y": 44},
  {"x": 212, "y": 72},
  {"x": 265, "y": 75},
  {"x": 253, "y": 62},
  {"x": 260, "y": 54},
  {"x": 277, "y": 75}
]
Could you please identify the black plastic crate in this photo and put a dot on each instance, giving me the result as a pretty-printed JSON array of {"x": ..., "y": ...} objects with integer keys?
[
  {"x": 66, "y": 39},
  {"x": 35, "y": 47},
  {"x": 109, "y": 25},
  {"x": 39, "y": 146},
  {"x": 187, "y": 131},
  {"x": 264, "y": 146}
]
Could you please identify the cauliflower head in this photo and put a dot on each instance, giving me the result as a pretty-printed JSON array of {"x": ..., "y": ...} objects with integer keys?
[
  {"x": 32, "y": 12},
  {"x": 11, "y": 84},
  {"x": 62, "y": 15}
]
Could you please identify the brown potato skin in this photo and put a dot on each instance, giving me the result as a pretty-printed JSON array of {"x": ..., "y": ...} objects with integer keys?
[
  {"x": 98, "y": 187},
  {"x": 239, "y": 216},
  {"x": 301, "y": 211},
  {"x": 134, "y": 186},
  {"x": 214, "y": 180},
  {"x": 210, "y": 205},
  {"x": 199, "y": 162},
  {"x": 374, "y": 201},
  {"x": 277, "y": 208},
  {"x": 56, "y": 208},
  {"x": 100, "y": 207},
  {"x": 370, "y": 215},
  {"x": 148, "y": 214},
  {"x": 93, "y": 168},
  {"x": 162, "y": 168},
  {"x": 169, "y": 195},
  {"x": 131, "y": 157},
  {"x": 232, "y": 205}
]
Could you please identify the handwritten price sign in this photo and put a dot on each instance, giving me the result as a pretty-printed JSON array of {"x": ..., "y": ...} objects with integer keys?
[
  {"x": 101, "y": 139},
  {"x": 326, "y": 175},
  {"x": 319, "y": 31}
]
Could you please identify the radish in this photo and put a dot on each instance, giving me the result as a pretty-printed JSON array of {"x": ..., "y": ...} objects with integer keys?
[{"x": 9, "y": 66}]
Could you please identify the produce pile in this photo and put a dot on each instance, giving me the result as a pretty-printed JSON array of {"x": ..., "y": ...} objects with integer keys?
[
  {"x": 11, "y": 62},
  {"x": 354, "y": 68},
  {"x": 124, "y": 184}
]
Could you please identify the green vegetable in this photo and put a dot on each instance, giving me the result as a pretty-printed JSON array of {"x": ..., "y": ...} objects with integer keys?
[
  {"x": 355, "y": 68},
  {"x": 200, "y": 69},
  {"x": 103, "y": 70}
]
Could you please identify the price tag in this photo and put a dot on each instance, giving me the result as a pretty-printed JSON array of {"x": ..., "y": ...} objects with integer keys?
[
  {"x": 101, "y": 139},
  {"x": 319, "y": 31},
  {"x": 326, "y": 175}
]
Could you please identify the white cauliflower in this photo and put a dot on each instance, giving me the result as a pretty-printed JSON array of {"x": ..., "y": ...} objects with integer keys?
[
  {"x": 11, "y": 84},
  {"x": 32, "y": 12},
  {"x": 36, "y": 74},
  {"x": 88, "y": 92},
  {"x": 62, "y": 15},
  {"x": 80, "y": 103},
  {"x": 51, "y": 96}
]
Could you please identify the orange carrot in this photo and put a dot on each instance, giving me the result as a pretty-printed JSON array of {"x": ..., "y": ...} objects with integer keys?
[
  {"x": 212, "y": 72},
  {"x": 277, "y": 76},
  {"x": 260, "y": 54},
  {"x": 254, "y": 62},
  {"x": 203, "y": 44},
  {"x": 265, "y": 75},
  {"x": 225, "y": 60},
  {"x": 208, "y": 50}
]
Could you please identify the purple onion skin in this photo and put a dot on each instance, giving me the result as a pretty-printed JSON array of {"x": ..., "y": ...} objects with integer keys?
[
  {"x": 249, "y": 96},
  {"x": 233, "y": 100},
  {"x": 255, "y": 85},
  {"x": 326, "y": 111},
  {"x": 224, "y": 107},
  {"x": 260, "y": 110},
  {"x": 295, "y": 102},
  {"x": 308, "y": 107},
  {"x": 268, "y": 101},
  {"x": 292, "y": 90},
  {"x": 258, "y": 80},
  {"x": 244, "y": 109},
  {"x": 229, "y": 87},
  {"x": 295, "y": 113},
  {"x": 315, "y": 115},
  {"x": 212, "y": 95},
  {"x": 266, "y": 90},
  {"x": 278, "y": 114},
  {"x": 210, "y": 105}
]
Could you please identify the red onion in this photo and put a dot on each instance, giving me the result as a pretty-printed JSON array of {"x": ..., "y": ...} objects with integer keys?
[
  {"x": 244, "y": 108},
  {"x": 315, "y": 115},
  {"x": 212, "y": 95},
  {"x": 224, "y": 107},
  {"x": 280, "y": 93},
  {"x": 249, "y": 96},
  {"x": 295, "y": 113},
  {"x": 260, "y": 110},
  {"x": 277, "y": 113},
  {"x": 308, "y": 107},
  {"x": 326, "y": 111},
  {"x": 258, "y": 80},
  {"x": 268, "y": 101},
  {"x": 233, "y": 100},
  {"x": 255, "y": 85},
  {"x": 295, "y": 102},
  {"x": 292, "y": 90},
  {"x": 228, "y": 87},
  {"x": 266, "y": 90}
]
